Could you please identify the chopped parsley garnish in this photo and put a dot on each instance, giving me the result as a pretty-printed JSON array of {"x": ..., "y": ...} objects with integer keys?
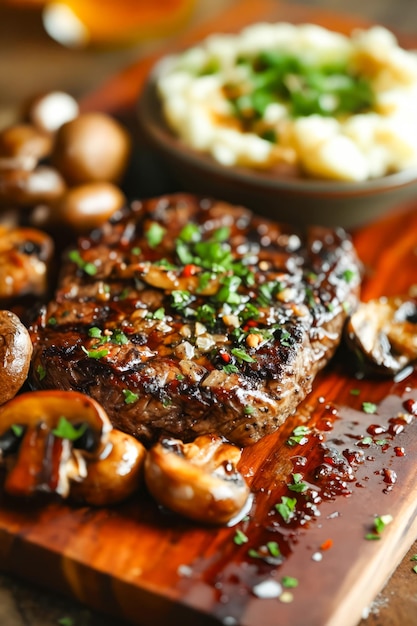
[
  {"x": 248, "y": 410},
  {"x": 129, "y": 396},
  {"x": 88, "y": 268},
  {"x": 190, "y": 233},
  {"x": 155, "y": 234},
  {"x": 221, "y": 234},
  {"x": 41, "y": 372},
  {"x": 380, "y": 522},
  {"x": 307, "y": 88},
  {"x": 159, "y": 314},
  {"x": 242, "y": 355},
  {"x": 66, "y": 430},
  {"x": 206, "y": 314},
  {"x": 285, "y": 336},
  {"x": 267, "y": 292},
  {"x": 17, "y": 430},
  {"x": 95, "y": 354},
  {"x": 369, "y": 407},
  {"x": 348, "y": 275},
  {"x": 366, "y": 441},
  {"x": 116, "y": 336},
  {"x": 355, "y": 392},
  {"x": 180, "y": 299},
  {"x": 298, "y": 485},
  {"x": 240, "y": 538},
  {"x": 119, "y": 337},
  {"x": 298, "y": 436},
  {"x": 286, "y": 508},
  {"x": 271, "y": 548},
  {"x": 230, "y": 368},
  {"x": 228, "y": 290},
  {"x": 52, "y": 321},
  {"x": 289, "y": 582}
]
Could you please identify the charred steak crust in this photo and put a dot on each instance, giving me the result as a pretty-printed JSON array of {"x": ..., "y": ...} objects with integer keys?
[{"x": 187, "y": 315}]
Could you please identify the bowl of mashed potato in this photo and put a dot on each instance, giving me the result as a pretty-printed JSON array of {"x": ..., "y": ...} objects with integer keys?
[{"x": 297, "y": 122}]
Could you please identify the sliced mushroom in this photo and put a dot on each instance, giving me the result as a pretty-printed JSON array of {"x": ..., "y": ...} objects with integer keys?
[
  {"x": 25, "y": 254},
  {"x": 383, "y": 333},
  {"x": 15, "y": 355},
  {"x": 115, "y": 475},
  {"x": 62, "y": 442},
  {"x": 48, "y": 458},
  {"x": 198, "y": 480}
]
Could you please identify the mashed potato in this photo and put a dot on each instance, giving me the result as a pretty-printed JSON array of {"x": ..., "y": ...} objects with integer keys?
[{"x": 336, "y": 107}]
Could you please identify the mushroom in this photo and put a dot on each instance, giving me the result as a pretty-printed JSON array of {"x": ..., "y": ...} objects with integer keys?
[
  {"x": 15, "y": 355},
  {"x": 24, "y": 257},
  {"x": 198, "y": 480},
  {"x": 62, "y": 442},
  {"x": 91, "y": 147},
  {"x": 383, "y": 333},
  {"x": 115, "y": 475}
]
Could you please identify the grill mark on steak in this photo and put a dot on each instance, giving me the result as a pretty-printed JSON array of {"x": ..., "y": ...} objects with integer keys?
[{"x": 235, "y": 358}]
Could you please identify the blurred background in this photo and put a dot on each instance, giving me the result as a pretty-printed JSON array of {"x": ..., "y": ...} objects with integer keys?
[{"x": 107, "y": 35}]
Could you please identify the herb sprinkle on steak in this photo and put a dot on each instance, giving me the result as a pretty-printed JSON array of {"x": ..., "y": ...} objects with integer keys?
[{"x": 187, "y": 315}]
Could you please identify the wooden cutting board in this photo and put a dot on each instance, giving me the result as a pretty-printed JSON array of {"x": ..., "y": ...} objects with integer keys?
[{"x": 151, "y": 568}]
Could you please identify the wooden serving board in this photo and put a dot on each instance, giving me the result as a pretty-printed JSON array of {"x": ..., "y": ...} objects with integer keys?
[{"x": 151, "y": 568}]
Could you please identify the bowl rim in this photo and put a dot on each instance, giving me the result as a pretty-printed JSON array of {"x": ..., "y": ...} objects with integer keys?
[{"x": 152, "y": 123}]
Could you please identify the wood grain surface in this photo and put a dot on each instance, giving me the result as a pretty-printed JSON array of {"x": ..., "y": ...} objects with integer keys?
[{"x": 136, "y": 563}]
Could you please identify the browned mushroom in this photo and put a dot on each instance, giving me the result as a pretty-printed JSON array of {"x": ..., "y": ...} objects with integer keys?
[
  {"x": 27, "y": 187},
  {"x": 198, "y": 480},
  {"x": 115, "y": 475},
  {"x": 15, "y": 354},
  {"x": 383, "y": 333},
  {"x": 53, "y": 439},
  {"x": 91, "y": 147},
  {"x": 25, "y": 140},
  {"x": 50, "y": 423},
  {"x": 88, "y": 206},
  {"x": 25, "y": 254}
]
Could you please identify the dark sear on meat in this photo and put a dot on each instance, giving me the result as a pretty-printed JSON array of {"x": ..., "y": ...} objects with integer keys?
[{"x": 187, "y": 316}]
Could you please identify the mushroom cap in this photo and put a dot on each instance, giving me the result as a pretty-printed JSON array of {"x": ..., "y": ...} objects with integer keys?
[
  {"x": 48, "y": 406},
  {"x": 198, "y": 480},
  {"x": 15, "y": 355},
  {"x": 115, "y": 475},
  {"x": 383, "y": 333}
]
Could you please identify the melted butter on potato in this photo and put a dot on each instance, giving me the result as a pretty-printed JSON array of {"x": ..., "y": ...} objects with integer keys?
[{"x": 205, "y": 90}]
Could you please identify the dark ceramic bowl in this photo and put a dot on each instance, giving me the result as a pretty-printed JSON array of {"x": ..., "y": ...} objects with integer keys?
[{"x": 293, "y": 199}]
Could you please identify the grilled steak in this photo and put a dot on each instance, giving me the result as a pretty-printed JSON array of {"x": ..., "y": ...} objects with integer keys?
[{"x": 186, "y": 316}]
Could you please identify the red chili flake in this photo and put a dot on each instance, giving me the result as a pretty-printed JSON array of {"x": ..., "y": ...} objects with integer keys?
[
  {"x": 189, "y": 270},
  {"x": 399, "y": 451},
  {"x": 225, "y": 356},
  {"x": 250, "y": 324},
  {"x": 326, "y": 545}
]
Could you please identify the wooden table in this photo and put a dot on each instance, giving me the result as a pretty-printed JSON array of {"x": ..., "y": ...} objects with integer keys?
[{"x": 30, "y": 62}]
